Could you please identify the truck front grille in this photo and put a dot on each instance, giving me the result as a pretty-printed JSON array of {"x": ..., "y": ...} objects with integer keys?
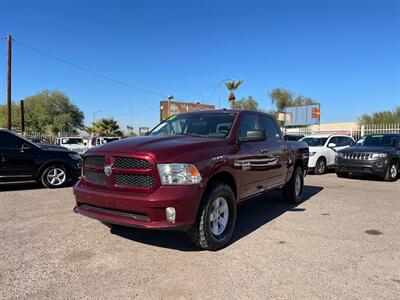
[
  {"x": 95, "y": 177},
  {"x": 97, "y": 161},
  {"x": 134, "y": 180},
  {"x": 127, "y": 172},
  {"x": 123, "y": 162}
]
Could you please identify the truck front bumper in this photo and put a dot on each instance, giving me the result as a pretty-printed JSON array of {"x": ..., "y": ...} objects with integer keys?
[{"x": 143, "y": 210}]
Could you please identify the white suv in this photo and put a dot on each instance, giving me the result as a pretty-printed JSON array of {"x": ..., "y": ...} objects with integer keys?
[
  {"x": 76, "y": 144},
  {"x": 323, "y": 150}
]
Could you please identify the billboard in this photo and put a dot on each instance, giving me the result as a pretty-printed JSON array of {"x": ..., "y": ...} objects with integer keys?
[
  {"x": 303, "y": 115},
  {"x": 170, "y": 108},
  {"x": 143, "y": 130}
]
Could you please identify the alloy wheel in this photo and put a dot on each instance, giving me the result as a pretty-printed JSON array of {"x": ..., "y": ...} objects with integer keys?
[
  {"x": 56, "y": 176},
  {"x": 219, "y": 216}
]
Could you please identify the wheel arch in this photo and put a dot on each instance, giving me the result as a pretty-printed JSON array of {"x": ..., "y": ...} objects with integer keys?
[{"x": 224, "y": 177}]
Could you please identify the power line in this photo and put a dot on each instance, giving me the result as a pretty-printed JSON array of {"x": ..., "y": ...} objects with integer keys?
[{"x": 89, "y": 71}]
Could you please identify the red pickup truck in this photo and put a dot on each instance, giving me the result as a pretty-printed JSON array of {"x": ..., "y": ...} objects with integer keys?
[{"x": 190, "y": 172}]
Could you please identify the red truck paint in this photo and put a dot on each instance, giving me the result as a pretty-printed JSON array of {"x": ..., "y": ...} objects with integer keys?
[{"x": 222, "y": 157}]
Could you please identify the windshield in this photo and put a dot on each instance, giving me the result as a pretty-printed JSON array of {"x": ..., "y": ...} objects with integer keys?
[
  {"x": 72, "y": 141},
  {"x": 314, "y": 141},
  {"x": 380, "y": 140},
  {"x": 216, "y": 125}
]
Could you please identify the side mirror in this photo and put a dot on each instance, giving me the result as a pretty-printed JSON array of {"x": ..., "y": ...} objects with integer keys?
[
  {"x": 331, "y": 145},
  {"x": 253, "y": 136},
  {"x": 147, "y": 133}
]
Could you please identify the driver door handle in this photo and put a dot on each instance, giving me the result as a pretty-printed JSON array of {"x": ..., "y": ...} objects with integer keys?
[
  {"x": 264, "y": 151},
  {"x": 284, "y": 148}
]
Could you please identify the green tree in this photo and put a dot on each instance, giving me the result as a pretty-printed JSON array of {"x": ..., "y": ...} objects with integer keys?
[
  {"x": 106, "y": 126},
  {"x": 47, "y": 112},
  {"x": 383, "y": 117},
  {"x": 232, "y": 86},
  {"x": 248, "y": 104},
  {"x": 282, "y": 98},
  {"x": 15, "y": 119}
]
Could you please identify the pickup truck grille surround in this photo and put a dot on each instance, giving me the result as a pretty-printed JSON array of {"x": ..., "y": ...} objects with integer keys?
[{"x": 137, "y": 173}]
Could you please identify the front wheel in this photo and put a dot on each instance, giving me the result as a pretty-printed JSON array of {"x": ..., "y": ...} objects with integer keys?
[
  {"x": 55, "y": 176},
  {"x": 320, "y": 166},
  {"x": 293, "y": 190},
  {"x": 216, "y": 219},
  {"x": 392, "y": 171}
]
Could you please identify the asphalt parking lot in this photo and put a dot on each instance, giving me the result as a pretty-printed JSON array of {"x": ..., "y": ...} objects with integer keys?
[{"x": 343, "y": 242}]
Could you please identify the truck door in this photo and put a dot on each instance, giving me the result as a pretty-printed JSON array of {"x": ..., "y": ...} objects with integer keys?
[
  {"x": 276, "y": 149},
  {"x": 251, "y": 158}
]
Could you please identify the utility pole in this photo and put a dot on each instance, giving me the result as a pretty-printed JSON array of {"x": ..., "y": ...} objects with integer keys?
[
  {"x": 9, "y": 83},
  {"x": 22, "y": 113}
]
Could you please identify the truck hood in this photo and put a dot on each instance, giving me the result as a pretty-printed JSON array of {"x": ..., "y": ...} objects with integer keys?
[
  {"x": 366, "y": 149},
  {"x": 168, "y": 148}
]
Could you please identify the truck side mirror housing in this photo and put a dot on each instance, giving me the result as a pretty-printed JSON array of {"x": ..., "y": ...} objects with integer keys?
[
  {"x": 331, "y": 145},
  {"x": 253, "y": 136}
]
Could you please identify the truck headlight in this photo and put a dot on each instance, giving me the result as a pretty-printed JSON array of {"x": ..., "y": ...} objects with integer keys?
[
  {"x": 175, "y": 174},
  {"x": 340, "y": 154},
  {"x": 379, "y": 155}
]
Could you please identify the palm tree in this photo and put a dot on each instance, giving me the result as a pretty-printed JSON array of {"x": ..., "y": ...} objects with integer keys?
[
  {"x": 106, "y": 126},
  {"x": 232, "y": 85}
]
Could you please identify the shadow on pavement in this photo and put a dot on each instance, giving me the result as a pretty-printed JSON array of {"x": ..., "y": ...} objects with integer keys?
[
  {"x": 251, "y": 215},
  {"x": 20, "y": 186}
]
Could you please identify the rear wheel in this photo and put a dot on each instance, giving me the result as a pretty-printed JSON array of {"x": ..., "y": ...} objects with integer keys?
[
  {"x": 293, "y": 190},
  {"x": 320, "y": 166},
  {"x": 55, "y": 176},
  {"x": 392, "y": 171},
  {"x": 217, "y": 217}
]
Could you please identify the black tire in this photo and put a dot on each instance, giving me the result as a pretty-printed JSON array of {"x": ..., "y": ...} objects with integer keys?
[
  {"x": 290, "y": 193},
  {"x": 392, "y": 171},
  {"x": 320, "y": 166},
  {"x": 342, "y": 174},
  {"x": 62, "y": 180},
  {"x": 201, "y": 233}
]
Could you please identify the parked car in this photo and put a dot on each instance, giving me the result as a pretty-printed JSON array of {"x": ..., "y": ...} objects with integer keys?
[
  {"x": 76, "y": 144},
  {"x": 323, "y": 150},
  {"x": 101, "y": 140},
  {"x": 190, "y": 172},
  {"x": 376, "y": 154},
  {"x": 54, "y": 166}
]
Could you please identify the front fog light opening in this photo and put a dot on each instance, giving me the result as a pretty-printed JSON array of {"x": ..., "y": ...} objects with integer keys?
[{"x": 170, "y": 214}]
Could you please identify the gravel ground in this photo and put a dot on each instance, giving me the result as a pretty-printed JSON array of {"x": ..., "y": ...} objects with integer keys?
[{"x": 343, "y": 242}]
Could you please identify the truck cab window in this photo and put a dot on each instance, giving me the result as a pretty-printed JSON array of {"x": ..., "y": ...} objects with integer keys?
[
  {"x": 270, "y": 127},
  {"x": 248, "y": 122}
]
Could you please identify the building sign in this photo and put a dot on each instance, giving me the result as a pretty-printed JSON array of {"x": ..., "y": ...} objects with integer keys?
[
  {"x": 143, "y": 130},
  {"x": 171, "y": 108},
  {"x": 316, "y": 113}
]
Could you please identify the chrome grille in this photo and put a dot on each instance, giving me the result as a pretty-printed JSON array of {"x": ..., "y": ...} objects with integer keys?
[
  {"x": 358, "y": 156},
  {"x": 134, "y": 180},
  {"x": 123, "y": 162},
  {"x": 95, "y": 161},
  {"x": 95, "y": 177}
]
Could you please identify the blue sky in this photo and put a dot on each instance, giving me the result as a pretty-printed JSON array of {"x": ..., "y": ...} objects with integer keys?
[{"x": 345, "y": 54}]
